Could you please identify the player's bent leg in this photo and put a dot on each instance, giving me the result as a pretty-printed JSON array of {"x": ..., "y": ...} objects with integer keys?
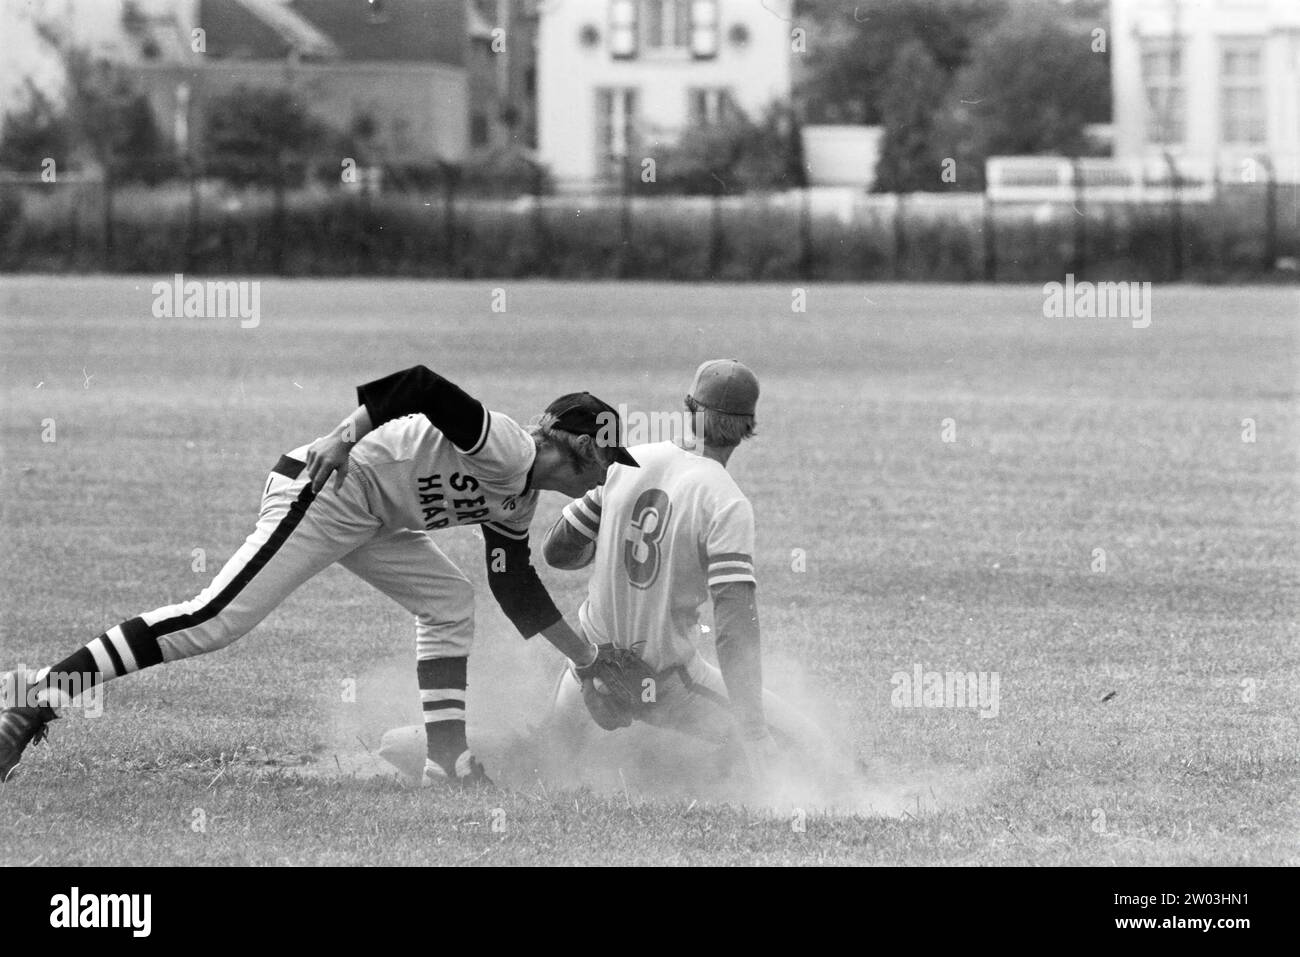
[
  {"x": 560, "y": 745},
  {"x": 690, "y": 704},
  {"x": 700, "y": 709},
  {"x": 569, "y": 727},
  {"x": 705, "y": 712},
  {"x": 409, "y": 568},
  {"x": 793, "y": 730},
  {"x": 297, "y": 535}
]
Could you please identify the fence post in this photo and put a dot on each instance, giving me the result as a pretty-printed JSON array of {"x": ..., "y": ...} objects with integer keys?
[
  {"x": 539, "y": 222},
  {"x": 449, "y": 216},
  {"x": 192, "y": 222},
  {"x": 805, "y": 235},
  {"x": 625, "y": 220},
  {"x": 899, "y": 237},
  {"x": 74, "y": 227},
  {"x": 1175, "y": 216},
  {"x": 1270, "y": 213},
  {"x": 1221, "y": 215},
  {"x": 990, "y": 238},
  {"x": 108, "y": 217},
  {"x": 278, "y": 217},
  {"x": 1080, "y": 264},
  {"x": 715, "y": 230}
]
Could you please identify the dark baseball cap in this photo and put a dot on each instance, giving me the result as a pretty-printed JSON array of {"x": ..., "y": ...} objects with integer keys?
[{"x": 583, "y": 414}]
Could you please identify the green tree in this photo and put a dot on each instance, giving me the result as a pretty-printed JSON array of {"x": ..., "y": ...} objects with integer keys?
[
  {"x": 961, "y": 79},
  {"x": 732, "y": 155},
  {"x": 100, "y": 119},
  {"x": 111, "y": 121},
  {"x": 33, "y": 132},
  {"x": 911, "y": 110},
  {"x": 852, "y": 49},
  {"x": 1032, "y": 86},
  {"x": 263, "y": 135}
]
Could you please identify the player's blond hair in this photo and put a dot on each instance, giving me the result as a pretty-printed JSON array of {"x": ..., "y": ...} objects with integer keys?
[
  {"x": 720, "y": 429},
  {"x": 544, "y": 432}
]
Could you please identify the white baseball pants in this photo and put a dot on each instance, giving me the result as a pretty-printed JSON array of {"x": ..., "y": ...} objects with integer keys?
[{"x": 297, "y": 536}]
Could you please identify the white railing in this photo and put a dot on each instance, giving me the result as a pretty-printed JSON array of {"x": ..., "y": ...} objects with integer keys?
[{"x": 1100, "y": 179}]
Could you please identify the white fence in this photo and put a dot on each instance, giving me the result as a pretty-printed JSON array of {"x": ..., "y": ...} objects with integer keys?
[{"x": 1099, "y": 179}]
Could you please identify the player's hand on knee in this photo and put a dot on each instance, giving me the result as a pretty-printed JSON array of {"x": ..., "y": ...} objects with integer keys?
[{"x": 328, "y": 456}]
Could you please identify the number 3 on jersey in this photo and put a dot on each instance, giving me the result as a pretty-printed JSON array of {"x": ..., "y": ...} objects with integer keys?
[{"x": 641, "y": 553}]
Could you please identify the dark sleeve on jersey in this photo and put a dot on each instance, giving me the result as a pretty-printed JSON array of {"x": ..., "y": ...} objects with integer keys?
[
  {"x": 515, "y": 584},
  {"x": 454, "y": 413},
  {"x": 740, "y": 655}
]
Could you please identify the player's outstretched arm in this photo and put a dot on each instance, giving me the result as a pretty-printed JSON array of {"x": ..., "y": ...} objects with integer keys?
[
  {"x": 524, "y": 599},
  {"x": 571, "y": 644}
]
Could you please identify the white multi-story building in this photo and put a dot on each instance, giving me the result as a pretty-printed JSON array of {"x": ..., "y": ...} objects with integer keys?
[
  {"x": 1214, "y": 81},
  {"x": 617, "y": 78}
]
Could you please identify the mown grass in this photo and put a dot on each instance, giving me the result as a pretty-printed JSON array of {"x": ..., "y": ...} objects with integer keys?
[{"x": 1147, "y": 711}]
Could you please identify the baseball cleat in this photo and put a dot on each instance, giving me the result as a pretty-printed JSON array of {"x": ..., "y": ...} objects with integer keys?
[
  {"x": 468, "y": 773},
  {"x": 20, "y": 727}
]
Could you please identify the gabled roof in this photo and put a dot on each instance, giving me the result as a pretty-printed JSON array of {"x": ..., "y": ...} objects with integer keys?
[
  {"x": 417, "y": 31},
  {"x": 231, "y": 29},
  {"x": 298, "y": 31}
]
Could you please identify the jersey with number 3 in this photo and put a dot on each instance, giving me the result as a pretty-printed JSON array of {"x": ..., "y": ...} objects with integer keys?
[{"x": 664, "y": 533}]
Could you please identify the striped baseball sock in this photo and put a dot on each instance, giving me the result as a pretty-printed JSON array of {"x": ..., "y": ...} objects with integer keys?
[
  {"x": 121, "y": 650},
  {"x": 442, "y": 694}
]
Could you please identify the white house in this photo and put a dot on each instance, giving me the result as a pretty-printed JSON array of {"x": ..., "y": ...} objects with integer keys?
[
  {"x": 616, "y": 78},
  {"x": 1214, "y": 81}
]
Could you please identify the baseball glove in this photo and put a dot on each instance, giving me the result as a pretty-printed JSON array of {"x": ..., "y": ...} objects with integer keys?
[{"x": 614, "y": 684}]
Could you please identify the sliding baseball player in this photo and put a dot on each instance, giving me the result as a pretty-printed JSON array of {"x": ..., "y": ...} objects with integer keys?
[
  {"x": 662, "y": 539},
  {"x": 417, "y": 456}
]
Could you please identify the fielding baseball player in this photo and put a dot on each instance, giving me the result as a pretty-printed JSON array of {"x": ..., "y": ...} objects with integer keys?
[
  {"x": 662, "y": 539},
  {"x": 417, "y": 456}
]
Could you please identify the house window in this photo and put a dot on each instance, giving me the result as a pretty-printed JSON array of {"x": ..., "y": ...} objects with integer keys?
[
  {"x": 663, "y": 27},
  {"x": 709, "y": 105},
  {"x": 1241, "y": 79},
  {"x": 1166, "y": 95},
  {"x": 704, "y": 29},
  {"x": 622, "y": 28},
  {"x": 615, "y": 130},
  {"x": 667, "y": 24}
]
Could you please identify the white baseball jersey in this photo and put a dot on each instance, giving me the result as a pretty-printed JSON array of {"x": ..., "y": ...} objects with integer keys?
[
  {"x": 664, "y": 533},
  {"x": 415, "y": 477}
]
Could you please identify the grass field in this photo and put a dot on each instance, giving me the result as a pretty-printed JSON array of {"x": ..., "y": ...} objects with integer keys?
[{"x": 1147, "y": 710}]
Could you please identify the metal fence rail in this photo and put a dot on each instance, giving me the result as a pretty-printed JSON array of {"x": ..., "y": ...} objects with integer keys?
[{"x": 1086, "y": 222}]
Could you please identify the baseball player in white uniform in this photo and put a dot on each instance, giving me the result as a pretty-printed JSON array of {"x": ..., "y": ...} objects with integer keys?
[
  {"x": 662, "y": 539},
  {"x": 417, "y": 456}
]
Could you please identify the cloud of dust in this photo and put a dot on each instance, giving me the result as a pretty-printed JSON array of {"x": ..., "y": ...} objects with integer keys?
[{"x": 511, "y": 684}]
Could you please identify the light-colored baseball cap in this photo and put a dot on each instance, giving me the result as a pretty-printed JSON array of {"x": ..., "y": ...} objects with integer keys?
[{"x": 725, "y": 385}]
